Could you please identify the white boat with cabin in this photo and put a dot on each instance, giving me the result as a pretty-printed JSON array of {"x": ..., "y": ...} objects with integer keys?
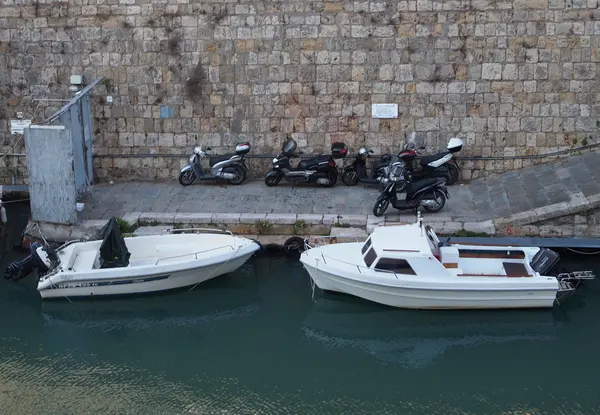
[
  {"x": 406, "y": 266},
  {"x": 141, "y": 264}
]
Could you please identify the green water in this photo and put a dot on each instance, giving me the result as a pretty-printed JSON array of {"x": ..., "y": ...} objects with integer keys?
[{"x": 256, "y": 343}]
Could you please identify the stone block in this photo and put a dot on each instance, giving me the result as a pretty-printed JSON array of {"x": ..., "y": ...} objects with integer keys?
[
  {"x": 193, "y": 218},
  {"x": 357, "y": 220},
  {"x": 252, "y": 218},
  {"x": 151, "y": 230},
  {"x": 132, "y": 218},
  {"x": 156, "y": 218},
  {"x": 480, "y": 227},
  {"x": 491, "y": 71},
  {"x": 226, "y": 218},
  {"x": 310, "y": 218},
  {"x": 281, "y": 218}
]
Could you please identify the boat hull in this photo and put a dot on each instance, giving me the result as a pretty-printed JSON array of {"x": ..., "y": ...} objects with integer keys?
[
  {"x": 425, "y": 298},
  {"x": 58, "y": 286}
]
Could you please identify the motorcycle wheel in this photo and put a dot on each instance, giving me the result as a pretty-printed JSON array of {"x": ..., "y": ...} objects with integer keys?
[
  {"x": 187, "y": 177},
  {"x": 350, "y": 177},
  {"x": 381, "y": 206},
  {"x": 440, "y": 199},
  {"x": 273, "y": 180},
  {"x": 240, "y": 176},
  {"x": 453, "y": 174}
]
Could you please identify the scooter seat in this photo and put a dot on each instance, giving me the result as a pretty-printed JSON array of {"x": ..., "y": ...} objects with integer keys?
[
  {"x": 312, "y": 162},
  {"x": 414, "y": 187},
  {"x": 428, "y": 159},
  {"x": 217, "y": 159}
]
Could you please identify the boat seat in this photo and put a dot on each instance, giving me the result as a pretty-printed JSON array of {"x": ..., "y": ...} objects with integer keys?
[
  {"x": 86, "y": 260},
  {"x": 515, "y": 270}
]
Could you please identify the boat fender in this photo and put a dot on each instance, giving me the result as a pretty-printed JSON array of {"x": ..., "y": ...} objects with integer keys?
[
  {"x": 3, "y": 215},
  {"x": 293, "y": 246}
]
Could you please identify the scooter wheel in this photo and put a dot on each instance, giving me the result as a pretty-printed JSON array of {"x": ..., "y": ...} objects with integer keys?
[
  {"x": 240, "y": 176},
  {"x": 453, "y": 174},
  {"x": 440, "y": 199},
  {"x": 187, "y": 177},
  {"x": 350, "y": 178},
  {"x": 381, "y": 206},
  {"x": 273, "y": 180}
]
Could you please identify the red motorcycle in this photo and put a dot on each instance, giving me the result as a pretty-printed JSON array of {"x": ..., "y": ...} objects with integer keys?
[{"x": 442, "y": 164}]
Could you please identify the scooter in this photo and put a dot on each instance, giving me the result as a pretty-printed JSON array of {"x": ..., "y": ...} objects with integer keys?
[
  {"x": 357, "y": 171},
  {"x": 441, "y": 164},
  {"x": 230, "y": 167},
  {"x": 320, "y": 169},
  {"x": 430, "y": 193}
]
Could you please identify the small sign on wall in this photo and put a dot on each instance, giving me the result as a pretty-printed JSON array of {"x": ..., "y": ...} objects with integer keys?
[
  {"x": 18, "y": 126},
  {"x": 384, "y": 110},
  {"x": 166, "y": 112}
]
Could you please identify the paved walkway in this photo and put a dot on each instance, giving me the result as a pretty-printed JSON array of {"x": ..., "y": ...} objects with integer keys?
[{"x": 497, "y": 196}]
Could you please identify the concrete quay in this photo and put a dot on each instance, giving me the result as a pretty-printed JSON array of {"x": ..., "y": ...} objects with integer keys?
[{"x": 557, "y": 199}]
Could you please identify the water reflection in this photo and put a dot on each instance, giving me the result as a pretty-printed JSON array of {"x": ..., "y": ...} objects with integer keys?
[
  {"x": 255, "y": 342},
  {"x": 414, "y": 339}
]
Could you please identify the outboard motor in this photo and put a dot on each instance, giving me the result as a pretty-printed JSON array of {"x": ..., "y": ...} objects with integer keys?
[
  {"x": 544, "y": 261},
  {"x": 40, "y": 258}
]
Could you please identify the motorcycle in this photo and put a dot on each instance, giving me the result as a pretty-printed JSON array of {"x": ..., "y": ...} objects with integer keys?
[
  {"x": 441, "y": 164},
  {"x": 357, "y": 171},
  {"x": 230, "y": 167},
  {"x": 320, "y": 169},
  {"x": 430, "y": 193}
]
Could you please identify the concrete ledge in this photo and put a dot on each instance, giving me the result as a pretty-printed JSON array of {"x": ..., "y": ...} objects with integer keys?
[{"x": 286, "y": 225}]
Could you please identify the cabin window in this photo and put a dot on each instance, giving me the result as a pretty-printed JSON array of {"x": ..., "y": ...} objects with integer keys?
[
  {"x": 399, "y": 266},
  {"x": 366, "y": 246},
  {"x": 370, "y": 257}
]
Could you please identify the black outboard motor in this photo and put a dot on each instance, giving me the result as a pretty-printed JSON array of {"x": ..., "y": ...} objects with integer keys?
[
  {"x": 40, "y": 258},
  {"x": 544, "y": 261}
]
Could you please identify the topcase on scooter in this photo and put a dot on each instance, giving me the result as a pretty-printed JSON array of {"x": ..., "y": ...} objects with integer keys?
[{"x": 339, "y": 150}]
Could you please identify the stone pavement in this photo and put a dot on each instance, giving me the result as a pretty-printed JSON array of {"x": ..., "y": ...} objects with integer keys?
[{"x": 551, "y": 188}]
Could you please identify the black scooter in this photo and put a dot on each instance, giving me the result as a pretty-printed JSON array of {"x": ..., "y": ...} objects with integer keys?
[
  {"x": 357, "y": 171},
  {"x": 320, "y": 169},
  {"x": 430, "y": 193}
]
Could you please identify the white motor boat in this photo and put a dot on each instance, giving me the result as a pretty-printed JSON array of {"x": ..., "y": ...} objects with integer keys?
[
  {"x": 406, "y": 266},
  {"x": 116, "y": 265}
]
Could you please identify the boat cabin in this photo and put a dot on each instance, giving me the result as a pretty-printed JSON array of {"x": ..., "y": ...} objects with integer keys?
[{"x": 415, "y": 249}]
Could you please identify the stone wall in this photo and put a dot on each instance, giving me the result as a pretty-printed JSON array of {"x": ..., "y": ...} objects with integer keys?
[{"x": 511, "y": 77}]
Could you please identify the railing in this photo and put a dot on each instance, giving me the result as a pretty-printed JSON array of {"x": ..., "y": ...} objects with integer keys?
[
  {"x": 196, "y": 230},
  {"x": 71, "y": 242},
  {"x": 325, "y": 237},
  {"x": 360, "y": 268},
  {"x": 195, "y": 253}
]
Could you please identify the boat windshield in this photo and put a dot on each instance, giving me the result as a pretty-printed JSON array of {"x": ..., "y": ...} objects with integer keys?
[
  {"x": 366, "y": 246},
  {"x": 396, "y": 265},
  {"x": 370, "y": 257}
]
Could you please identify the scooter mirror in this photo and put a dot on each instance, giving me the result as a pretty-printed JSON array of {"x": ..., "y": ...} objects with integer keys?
[
  {"x": 301, "y": 152},
  {"x": 208, "y": 148},
  {"x": 422, "y": 148},
  {"x": 371, "y": 151}
]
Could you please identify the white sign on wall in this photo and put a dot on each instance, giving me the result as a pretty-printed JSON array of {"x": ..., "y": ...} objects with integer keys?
[
  {"x": 18, "y": 126},
  {"x": 384, "y": 110}
]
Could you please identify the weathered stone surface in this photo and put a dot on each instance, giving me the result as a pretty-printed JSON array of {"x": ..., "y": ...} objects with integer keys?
[
  {"x": 511, "y": 77},
  {"x": 151, "y": 230}
]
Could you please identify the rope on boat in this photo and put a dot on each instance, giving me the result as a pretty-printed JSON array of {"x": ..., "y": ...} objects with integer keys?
[{"x": 583, "y": 253}]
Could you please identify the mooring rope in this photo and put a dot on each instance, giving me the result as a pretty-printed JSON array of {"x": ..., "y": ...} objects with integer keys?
[{"x": 583, "y": 253}]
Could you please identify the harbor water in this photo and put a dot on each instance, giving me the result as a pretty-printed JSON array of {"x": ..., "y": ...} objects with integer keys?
[{"x": 258, "y": 342}]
